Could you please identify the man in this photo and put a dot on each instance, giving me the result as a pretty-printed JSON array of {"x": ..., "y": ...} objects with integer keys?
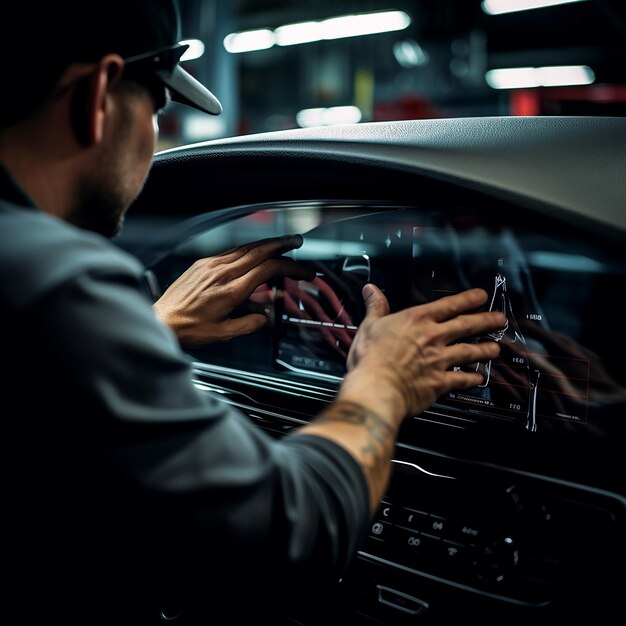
[{"x": 125, "y": 488}]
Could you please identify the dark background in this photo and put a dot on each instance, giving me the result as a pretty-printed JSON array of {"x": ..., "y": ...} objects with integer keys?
[{"x": 434, "y": 68}]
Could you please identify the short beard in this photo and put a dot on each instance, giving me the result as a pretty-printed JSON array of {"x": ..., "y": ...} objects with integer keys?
[
  {"x": 99, "y": 212},
  {"x": 106, "y": 225}
]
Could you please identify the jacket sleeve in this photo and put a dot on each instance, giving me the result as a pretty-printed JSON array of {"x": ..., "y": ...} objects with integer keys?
[{"x": 182, "y": 487}]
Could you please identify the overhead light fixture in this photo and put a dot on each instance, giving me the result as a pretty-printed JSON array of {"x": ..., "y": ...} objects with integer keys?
[
  {"x": 364, "y": 24},
  {"x": 303, "y": 32},
  {"x": 497, "y": 7},
  {"x": 340, "y": 27},
  {"x": 195, "y": 50},
  {"x": 331, "y": 116},
  {"x": 528, "y": 77},
  {"x": 249, "y": 40},
  {"x": 410, "y": 54}
]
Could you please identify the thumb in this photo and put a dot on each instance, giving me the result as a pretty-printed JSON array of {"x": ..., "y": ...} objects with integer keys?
[{"x": 376, "y": 304}]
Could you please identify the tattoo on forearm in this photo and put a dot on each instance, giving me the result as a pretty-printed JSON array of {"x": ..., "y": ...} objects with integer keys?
[{"x": 378, "y": 447}]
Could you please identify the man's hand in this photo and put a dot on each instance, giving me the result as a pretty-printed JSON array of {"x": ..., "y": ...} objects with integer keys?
[
  {"x": 198, "y": 304},
  {"x": 411, "y": 353},
  {"x": 398, "y": 365}
]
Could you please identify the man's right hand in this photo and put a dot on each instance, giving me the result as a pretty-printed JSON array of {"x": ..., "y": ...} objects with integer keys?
[
  {"x": 407, "y": 356},
  {"x": 398, "y": 365}
]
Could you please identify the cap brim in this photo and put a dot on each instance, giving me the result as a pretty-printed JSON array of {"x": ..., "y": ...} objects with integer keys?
[{"x": 187, "y": 90}]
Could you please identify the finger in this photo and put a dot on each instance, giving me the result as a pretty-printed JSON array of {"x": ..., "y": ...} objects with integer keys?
[
  {"x": 263, "y": 294},
  {"x": 238, "y": 251},
  {"x": 239, "y": 326},
  {"x": 251, "y": 254},
  {"x": 450, "y": 306},
  {"x": 461, "y": 379},
  {"x": 376, "y": 304},
  {"x": 465, "y": 326},
  {"x": 464, "y": 353},
  {"x": 271, "y": 268}
]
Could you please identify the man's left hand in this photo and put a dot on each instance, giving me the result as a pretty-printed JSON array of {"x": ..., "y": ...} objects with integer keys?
[{"x": 197, "y": 305}]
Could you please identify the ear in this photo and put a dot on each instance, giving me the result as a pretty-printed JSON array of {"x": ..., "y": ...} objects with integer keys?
[{"x": 98, "y": 91}]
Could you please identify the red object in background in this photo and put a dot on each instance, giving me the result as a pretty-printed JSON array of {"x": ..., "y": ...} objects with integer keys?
[
  {"x": 525, "y": 102},
  {"x": 408, "y": 107},
  {"x": 556, "y": 100}
]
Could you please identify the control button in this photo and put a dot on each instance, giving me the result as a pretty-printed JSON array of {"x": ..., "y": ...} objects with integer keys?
[
  {"x": 466, "y": 533},
  {"x": 401, "y": 601},
  {"x": 379, "y": 531},
  {"x": 413, "y": 519},
  {"x": 453, "y": 560},
  {"x": 410, "y": 539},
  {"x": 414, "y": 548},
  {"x": 386, "y": 512},
  {"x": 494, "y": 562},
  {"x": 437, "y": 526},
  {"x": 453, "y": 553}
]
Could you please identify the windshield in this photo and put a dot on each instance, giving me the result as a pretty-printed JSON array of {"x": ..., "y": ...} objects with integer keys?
[{"x": 279, "y": 64}]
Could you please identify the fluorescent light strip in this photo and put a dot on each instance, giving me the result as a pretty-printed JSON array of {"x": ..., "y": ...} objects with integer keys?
[
  {"x": 308, "y": 32},
  {"x": 303, "y": 32},
  {"x": 332, "y": 116},
  {"x": 249, "y": 40},
  {"x": 195, "y": 50},
  {"x": 364, "y": 24},
  {"x": 526, "y": 77},
  {"x": 498, "y": 7}
]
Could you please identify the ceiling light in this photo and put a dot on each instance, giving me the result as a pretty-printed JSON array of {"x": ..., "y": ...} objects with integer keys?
[
  {"x": 195, "y": 50},
  {"x": 410, "y": 54},
  {"x": 303, "y": 32},
  {"x": 528, "y": 77},
  {"x": 331, "y": 116},
  {"x": 249, "y": 40},
  {"x": 306, "y": 32},
  {"x": 364, "y": 24},
  {"x": 497, "y": 7}
]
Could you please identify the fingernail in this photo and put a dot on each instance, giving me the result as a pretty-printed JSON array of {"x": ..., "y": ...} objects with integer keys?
[{"x": 368, "y": 291}]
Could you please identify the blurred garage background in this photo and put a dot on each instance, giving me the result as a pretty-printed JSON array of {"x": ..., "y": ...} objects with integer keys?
[{"x": 279, "y": 64}]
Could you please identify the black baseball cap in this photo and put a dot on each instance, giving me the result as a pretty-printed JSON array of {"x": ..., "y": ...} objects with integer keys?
[
  {"x": 42, "y": 38},
  {"x": 183, "y": 87}
]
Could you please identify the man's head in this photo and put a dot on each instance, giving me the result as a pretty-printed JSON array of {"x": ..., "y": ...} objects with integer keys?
[
  {"x": 83, "y": 86},
  {"x": 38, "y": 40}
]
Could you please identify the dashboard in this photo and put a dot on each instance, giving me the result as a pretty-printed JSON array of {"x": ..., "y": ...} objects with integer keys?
[{"x": 507, "y": 501}]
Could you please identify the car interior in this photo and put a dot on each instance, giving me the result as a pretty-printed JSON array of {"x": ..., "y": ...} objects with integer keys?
[{"x": 507, "y": 501}]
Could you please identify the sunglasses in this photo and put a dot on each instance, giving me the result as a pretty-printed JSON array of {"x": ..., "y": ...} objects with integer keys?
[{"x": 150, "y": 68}]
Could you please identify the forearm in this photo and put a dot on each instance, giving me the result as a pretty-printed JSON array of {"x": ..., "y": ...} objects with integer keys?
[
  {"x": 398, "y": 365},
  {"x": 367, "y": 428}
]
